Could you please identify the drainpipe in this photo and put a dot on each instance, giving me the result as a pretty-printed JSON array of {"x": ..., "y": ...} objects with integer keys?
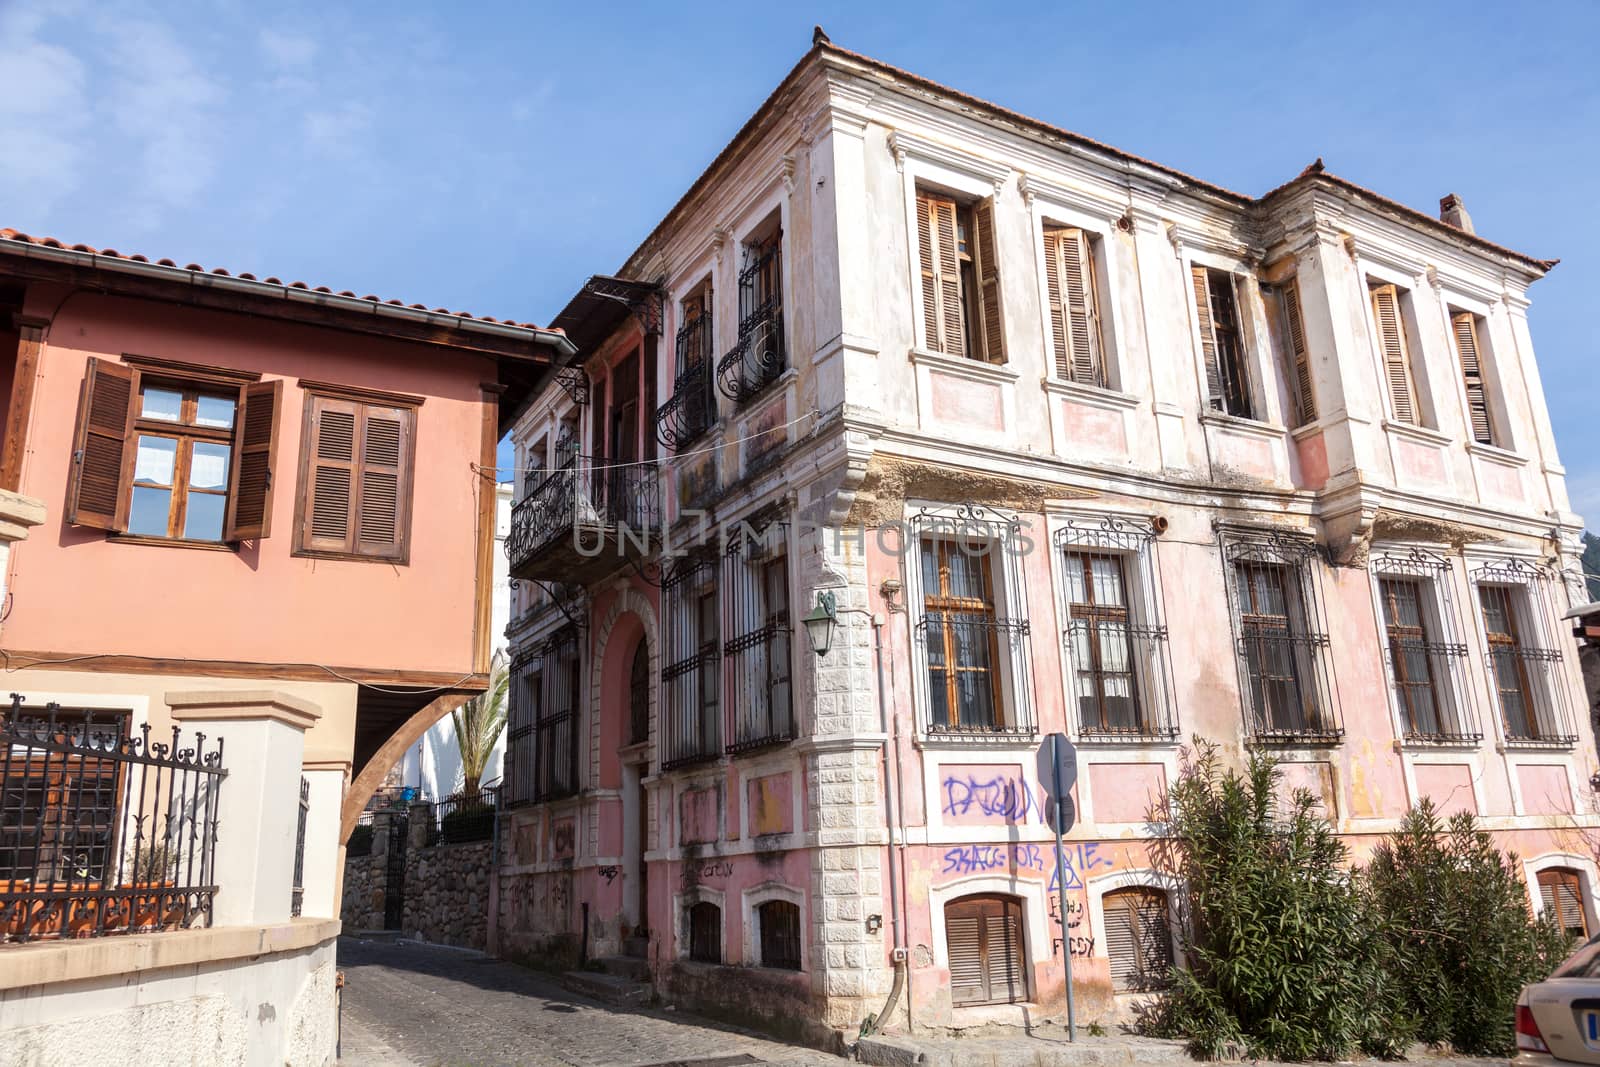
[
  {"x": 891, "y": 806},
  {"x": 491, "y": 936}
]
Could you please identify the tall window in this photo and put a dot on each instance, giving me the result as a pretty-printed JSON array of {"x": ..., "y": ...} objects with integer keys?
[
  {"x": 1282, "y": 650},
  {"x": 356, "y": 461},
  {"x": 963, "y": 641},
  {"x": 692, "y": 677},
  {"x": 692, "y": 408},
  {"x": 756, "y": 579},
  {"x": 164, "y": 453},
  {"x": 1561, "y": 894},
  {"x": 1075, "y": 332},
  {"x": 1408, "y": 653},
  {"x": 1394, "y": 346},
  {"x": 1525, "y": 669},
  {"x": 759, "y": 357},
  {"x": 1297, "y": 353},
  {"x": 1427, "y": 658},
  {"x": 1116, "y": 643},
  {"x": 780, "y": 934},
  {"x": 639, "y": 694},
  {"x": 555, "y": 744},
  {"x": 960, "y": 277},
  {"x": 705, "y": 932},
  {"x": 1467, "y": 330},
  {"x": 984, "y": 940},
  {"x": 1221, "y": 340},
  {"x": 1138, "y": 939},
  {"x": 522, "y": 712}
]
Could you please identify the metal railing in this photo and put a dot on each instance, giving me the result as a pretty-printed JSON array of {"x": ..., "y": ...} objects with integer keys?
[
  {"x": 1287, "y": 698},
  {"x": 758, "y": 359},
  {"x": 585, "y": 494},
  {"x": 973, "y": 663},
  {"x": 1430, "y": 680},
  {"x": 297, "y": 893},
  {"x": 466, "y": 816},
  {"x": 102, "y": 831},
  {"x": 1122, "y": 685},
  {"x": 1529, "y": 689},
  {"x": 693, "y": 406},
  {"x": 693, "y": 732}
]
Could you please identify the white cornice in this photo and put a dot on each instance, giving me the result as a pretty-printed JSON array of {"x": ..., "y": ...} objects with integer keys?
[
  {"x": 1185, "y": 235},
  {"x": 1101, "y": 205},
  {"x": 904, "y": 144}
]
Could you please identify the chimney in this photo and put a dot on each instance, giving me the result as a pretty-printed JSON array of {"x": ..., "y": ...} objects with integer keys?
[{"x": 1452, "y": 212}]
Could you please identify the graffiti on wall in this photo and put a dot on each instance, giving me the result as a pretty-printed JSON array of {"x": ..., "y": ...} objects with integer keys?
[
  {"x": 984, "y": 795},
  {"x": 609, "y": 872},
  {"x": 563, "y": 838},
  {"x": 697, "y": 871},
  {"x": 976, "y": 859}
]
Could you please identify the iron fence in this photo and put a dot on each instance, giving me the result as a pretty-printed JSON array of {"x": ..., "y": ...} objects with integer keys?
[
  {"x": 974, "y": 662},
  {"x": 102, "y": 830},
  {"x": 466, "y": 816},
  {"x": 297, "y": 894}
]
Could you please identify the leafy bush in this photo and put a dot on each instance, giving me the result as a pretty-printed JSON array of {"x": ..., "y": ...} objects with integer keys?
[
  {"x": 1455, "y": 912},
  {"x": 360, "y": 843},
  {"x": 1282, "y": 963}
]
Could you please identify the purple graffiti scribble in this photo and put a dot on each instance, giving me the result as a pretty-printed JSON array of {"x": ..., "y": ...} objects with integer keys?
[{"x": 1002, "y": 797}]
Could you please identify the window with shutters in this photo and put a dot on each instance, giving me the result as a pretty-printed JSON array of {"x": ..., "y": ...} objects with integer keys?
[
  {"x": 173, "y": 456},
  {"x": 1395, "y": 336},
  {"x": 1524, "y": 658},
  {"x": 356, "y": 468},
  {"x": 1138, "y": 939},
  {"x": 987, "y": 958},
  {"x": 780, "y": 934},
  {"x": 1469, "y": 332},
  {"x": 1222, "y": 347},
  {"x": 960, "y": 277},
  {"x": 1290, "y": 326},
  {"x": 1076, "y": 337},
  {"x": 1561, "y": 900}
]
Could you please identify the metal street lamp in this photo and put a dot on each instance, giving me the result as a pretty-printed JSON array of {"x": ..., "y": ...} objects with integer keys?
[{"x": 819, "y": 623}]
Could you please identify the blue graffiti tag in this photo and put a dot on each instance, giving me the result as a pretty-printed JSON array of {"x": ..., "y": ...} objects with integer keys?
[
  {"x": 975, "y": 859},
  {"x": 1003, "y": 797}
]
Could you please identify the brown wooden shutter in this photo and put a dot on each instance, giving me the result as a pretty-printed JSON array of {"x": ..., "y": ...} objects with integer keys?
[
  {"x": 1061, "y": 346},
  {"x": 1464, "y": 324},
  {"x": 102, "y": 446},
  {"x": 993, "y": 335},
  {"x": 1121, "y": 940},
  {"x": 255, "y": 439},
  {"x": 385, "y": 491},
  {"x": 1003, "y": 951},
  {"x": 1305, "y": 399},
  {"x": 963, "y": 931},
  {"x": 930, "y": 273},
  {"x": 1077, "y": 265},
  {"x": 941, "y": 274},
  {"x": 1138, "y": 938},
  {"x": 1199, "y": 276},
  {"x": 1392, "y": 343},
  {"x": 330, "y": 482}
]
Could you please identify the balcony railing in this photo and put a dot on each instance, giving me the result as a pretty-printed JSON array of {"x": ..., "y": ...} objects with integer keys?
[
  {"x": 1287, "y": 699},
  {"x": 758, "y": 359},
  {"x": 581, "y": 497},
  {"x": 101, "y": 831},
  {"x": 465, "y": 816},
  {"x": 1122, "y": 680},
  {"x": 1531, "y": 693},
  {"x": 973, "y": 662},
  {"x": 691, "y": 410}
]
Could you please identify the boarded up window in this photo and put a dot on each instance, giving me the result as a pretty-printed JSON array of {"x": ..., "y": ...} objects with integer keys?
[
  {"x": 355, "y": 478},
  {"x": 1561, "y": 894},
  {"x": 983, "y": 937},
  {"x": 1464, "y": 327},
  {"x": 1074, "y": 313},
  {"x": 1138, "y": 939}
]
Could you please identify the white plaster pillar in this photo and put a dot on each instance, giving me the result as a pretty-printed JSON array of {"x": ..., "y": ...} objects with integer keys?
[
  {"x": 17, "y": 514},
  {"x": 323, "y": 874},
  {"x": 258, "y": 805}
]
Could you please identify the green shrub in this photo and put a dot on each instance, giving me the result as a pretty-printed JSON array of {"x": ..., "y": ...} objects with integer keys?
[
  {"x": 1455, "y": 912},
  {"x": 360, "y": 843},
  {"x": 1282, "y": 963}
]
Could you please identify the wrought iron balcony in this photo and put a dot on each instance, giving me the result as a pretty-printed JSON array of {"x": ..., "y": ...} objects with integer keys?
[
  {"x": 584, "y": 520},
  {"x": 692, "y": 409},
  {"x": 758, "y": 359}
]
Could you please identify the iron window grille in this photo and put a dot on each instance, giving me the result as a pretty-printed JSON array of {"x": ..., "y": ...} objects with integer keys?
[
  {"x": 780, "y": 934},
  {"x": 1424, "y": 651},
  {"x": 1523, "y": 663},
  {"x": 1115, "y": 639},
  {"x": 297, "y": 894},
  {"x": 692, "y": 409},
  {"x": 103, "y": 831},
  {"x": 691, "y": 680},
  {"x": 705, "y": 932},
  {"x": 759, "y": 651},
  {"x": 522, "y": 702},
  {"x": 542, "y": 721},
  {"x": 972, "y": 636},
  {"x": 639, "y": 685},
  {"x": 1285, "y": 676},
  {"x": 759, "y": 357}
]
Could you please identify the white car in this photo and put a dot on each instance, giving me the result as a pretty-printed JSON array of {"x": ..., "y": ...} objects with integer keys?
[{"x": 1558, "y": 1019}]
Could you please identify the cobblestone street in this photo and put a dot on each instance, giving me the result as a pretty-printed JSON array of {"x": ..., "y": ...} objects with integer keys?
[{"x": 408, "y": 1005}]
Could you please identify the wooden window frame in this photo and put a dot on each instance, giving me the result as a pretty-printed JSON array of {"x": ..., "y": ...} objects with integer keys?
[
  {"x": 703, "y": 944},
  {"x": 1552, "y": 880},
  {"x": 1397, "y": 633},
  {"x": 1009, "y": 909},
  {"x": 362, "y": 399},
  {"x": 1226, "y": 357},
  {"x": 1259, "y": 624},
  {"x": 1481, "y": 422},
  {"x": 1133, "y": 901},
  {"x": 1093, "y": 612},
  {"x": 1077, "y": 334},
  {"x": 1302, "y": 390},
  {"x": 1395, "y": 355},
  {"x": 942, "y": 602},
  {"x": 961, "y": 231},
  {"x": 1510, "y": 640},
  {"x": 187, "y": 434}
]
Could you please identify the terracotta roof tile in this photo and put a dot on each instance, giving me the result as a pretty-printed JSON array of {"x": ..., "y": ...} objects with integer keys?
[{"x": 8, "y": 234}]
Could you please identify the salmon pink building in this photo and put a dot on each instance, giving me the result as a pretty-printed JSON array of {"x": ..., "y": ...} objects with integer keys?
[
  {"x": 248, "y": 530},
  {"x": 919, "y": 430}
]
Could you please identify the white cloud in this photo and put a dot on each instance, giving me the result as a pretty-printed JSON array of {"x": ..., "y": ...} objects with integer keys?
[
  {"x": 287, "y": 49},
  {"x": 336, "y": 131},
  {"x": 43, "y": 109}
]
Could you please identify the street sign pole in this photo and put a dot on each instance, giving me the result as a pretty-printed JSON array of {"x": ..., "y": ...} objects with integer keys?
[{"x": 1062, "y": 756}]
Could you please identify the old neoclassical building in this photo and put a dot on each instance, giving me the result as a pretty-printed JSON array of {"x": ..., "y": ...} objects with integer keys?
[{"x": 1069, "y": 441}]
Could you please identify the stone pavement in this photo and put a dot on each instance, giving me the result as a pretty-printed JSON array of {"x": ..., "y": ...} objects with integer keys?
[{"x": 411, "y": 1005}]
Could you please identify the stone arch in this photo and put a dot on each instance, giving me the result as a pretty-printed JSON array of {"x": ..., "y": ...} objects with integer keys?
[{"x": 628, "y": 601}]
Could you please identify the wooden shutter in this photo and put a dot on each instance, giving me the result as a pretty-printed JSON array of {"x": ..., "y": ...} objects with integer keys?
[
  {"x": 1464, "y": 324},
  {"x": 983, "y": 940},
  {"x": 1138, "y": 938},
  {"x": 385, "y": 475},
  {"x": 1003, "y": 951},
  {"x": 988, "y": 271},
  {"x": 102, "y": 447},
  {"x": 1305, "y": 399},
  {"x": 1562, "y": 897},
  {"x": 941, "y": 274},
  {"x": 963, "y": 931},
  {"x": 255, "y": 439},
  {"x": 1199, "y": 276},
  {"x": 1392, "y": 344},
  {"x": 329, "y": 483},
  {"x": 1122, "y": 940},
  {"x": 1074, "y": 322}
]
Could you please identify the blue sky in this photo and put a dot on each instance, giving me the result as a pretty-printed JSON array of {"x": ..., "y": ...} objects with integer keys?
[{"x": 489, "y": 158}]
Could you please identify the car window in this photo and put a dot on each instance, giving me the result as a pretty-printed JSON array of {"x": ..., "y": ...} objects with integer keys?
[{"x": 1584, "y": 963}]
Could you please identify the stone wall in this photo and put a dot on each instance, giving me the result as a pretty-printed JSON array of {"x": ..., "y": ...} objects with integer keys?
[
  {"x": 362, "y": 907},
  {"x": 447, "y": 894}
]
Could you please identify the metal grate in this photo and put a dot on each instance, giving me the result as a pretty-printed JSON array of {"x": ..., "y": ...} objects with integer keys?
[
  {"x": 1524, "y": 664},
  {"x": 758, "y": 654},
  {"x": 759, "y": 357},
  {"x": 692, "y": 679},
  {"x": 297, "y": 894},
  {"x": 1425, "y": 654},
  {"x": 692, "y": 408}
]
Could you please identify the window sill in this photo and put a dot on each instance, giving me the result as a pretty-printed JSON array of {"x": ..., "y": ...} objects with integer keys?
[
  {"x": 1022, "y": 739},
  {"x": 1495, "y": 454},
  {"x": 965, "y": 367},
  {"x": 172, "y": 542},
  {"x": 1420, "y": 434},
  {"x": 1270, "y": 431},
  {"x": 1128, "y": 741},
  {"x": 351, "y": 557},
  {"x": 1416, "y": 745},
  {"x": 1555, "y": 744},
  {"x": 1093, "y": 395}
]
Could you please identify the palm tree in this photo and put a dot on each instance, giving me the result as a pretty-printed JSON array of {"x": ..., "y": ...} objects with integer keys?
[{"x": 479, "y": 723}]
